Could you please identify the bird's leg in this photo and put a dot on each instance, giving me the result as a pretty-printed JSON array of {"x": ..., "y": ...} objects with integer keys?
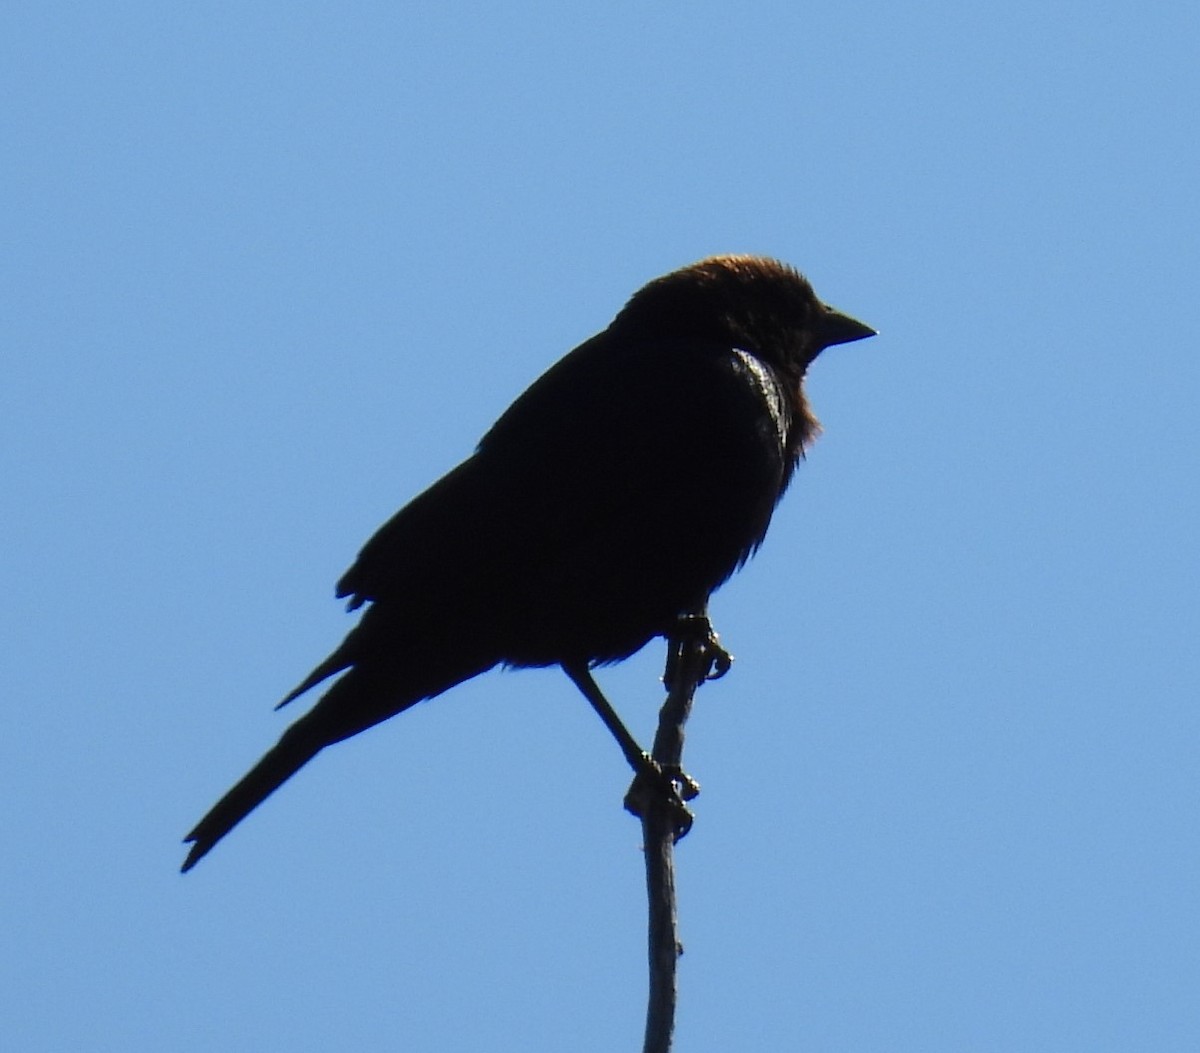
[
  {"x": 646, "y": 767},
  {"x": 639, "y": 760}
]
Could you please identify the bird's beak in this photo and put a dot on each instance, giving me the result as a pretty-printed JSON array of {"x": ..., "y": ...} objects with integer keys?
[{"x": 833, "y": 327}]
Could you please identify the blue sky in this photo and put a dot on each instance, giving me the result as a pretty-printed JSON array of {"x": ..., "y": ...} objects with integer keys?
[{"x": 270, "y": 269}]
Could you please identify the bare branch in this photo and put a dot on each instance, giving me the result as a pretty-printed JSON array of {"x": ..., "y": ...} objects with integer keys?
[{"x": 694, "y": 655}]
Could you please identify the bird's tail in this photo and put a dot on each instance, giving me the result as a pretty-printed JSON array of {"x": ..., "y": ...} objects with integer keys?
[
  {"x": 360, "y": 699},
  {"x": 295, "y": 749}
]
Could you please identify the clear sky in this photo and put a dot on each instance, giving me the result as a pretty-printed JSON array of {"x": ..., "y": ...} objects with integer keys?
[{"x": 271, "y": 268}]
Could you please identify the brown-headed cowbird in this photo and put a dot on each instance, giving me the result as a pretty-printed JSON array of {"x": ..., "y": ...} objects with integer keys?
[{"x": 611, "y": 498}]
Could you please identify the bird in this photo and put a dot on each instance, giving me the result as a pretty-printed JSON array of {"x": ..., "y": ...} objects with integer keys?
[{"x": 612, "y": 498}]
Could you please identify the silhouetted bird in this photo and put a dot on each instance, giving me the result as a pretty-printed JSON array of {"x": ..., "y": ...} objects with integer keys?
[{"x": 613, "y": 496}]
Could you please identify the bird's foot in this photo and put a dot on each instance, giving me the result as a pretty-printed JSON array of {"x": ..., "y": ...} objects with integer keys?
[
  {"x": 666, "y": 787},
  {"x": 695, "y": 631}
]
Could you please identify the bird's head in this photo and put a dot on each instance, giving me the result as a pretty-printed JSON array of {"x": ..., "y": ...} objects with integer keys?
[{"x": 760, "y": 304}]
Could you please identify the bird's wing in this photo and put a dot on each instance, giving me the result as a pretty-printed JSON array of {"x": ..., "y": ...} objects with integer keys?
[{"x": 610, "y": 451}]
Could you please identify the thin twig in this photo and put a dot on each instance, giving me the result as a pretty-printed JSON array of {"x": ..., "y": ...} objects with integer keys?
[{"x": 693, "y": 657}]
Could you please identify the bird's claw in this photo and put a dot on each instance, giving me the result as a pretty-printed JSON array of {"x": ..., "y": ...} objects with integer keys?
[
  {"x": 695, "y": 630},
  {"x": 657, "y": 787},
  {"x": 684, "y": 785},
  {"x": 722, "y": 660}
]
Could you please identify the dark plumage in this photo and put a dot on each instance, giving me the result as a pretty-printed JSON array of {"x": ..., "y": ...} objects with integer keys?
[{"x": 615, "y": 494}]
